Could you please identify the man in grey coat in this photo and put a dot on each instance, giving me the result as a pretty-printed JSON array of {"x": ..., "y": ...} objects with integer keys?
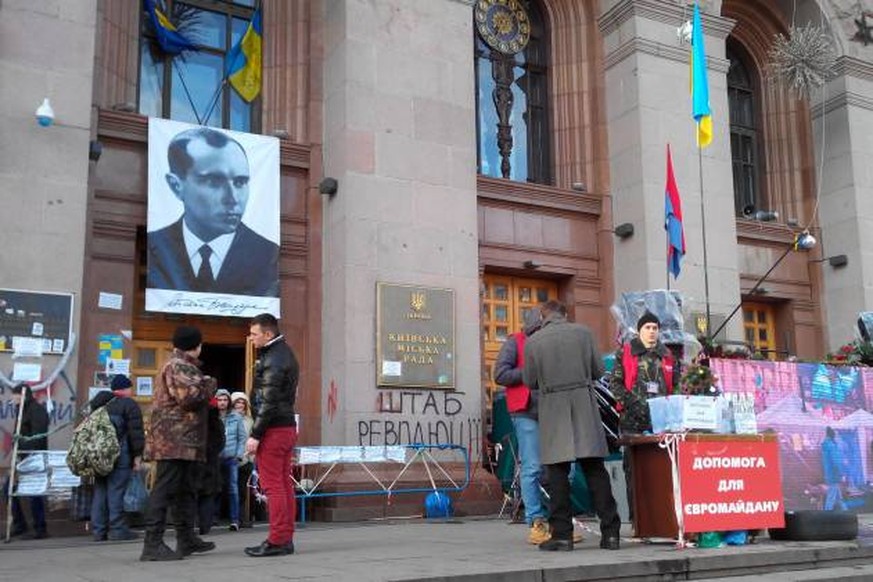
[{"x": 561, "y": 361}]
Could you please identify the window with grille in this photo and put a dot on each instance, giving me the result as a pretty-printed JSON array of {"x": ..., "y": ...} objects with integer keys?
[
  {"x": 744, "y": 133},
  {"x": 529, "y": 158}
]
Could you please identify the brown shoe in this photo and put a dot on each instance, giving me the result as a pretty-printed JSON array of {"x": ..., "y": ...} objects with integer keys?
[{"x": 539, "y": 532}]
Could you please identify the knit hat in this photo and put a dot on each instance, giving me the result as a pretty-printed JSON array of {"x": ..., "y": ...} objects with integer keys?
[
  {"x": 187, "y": 338},
  {"x": 120, "y": 382},
  {"x": 222, "y": 392},
  {"x": 648, "y": 317},
  {"x": 239, "y": 396}
]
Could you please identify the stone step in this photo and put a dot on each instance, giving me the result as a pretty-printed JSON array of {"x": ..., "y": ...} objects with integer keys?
[{"x": 858, "y": 573}]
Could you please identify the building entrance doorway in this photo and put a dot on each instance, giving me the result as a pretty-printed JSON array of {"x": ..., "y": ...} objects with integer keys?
[{"x": 505, "y": 302}]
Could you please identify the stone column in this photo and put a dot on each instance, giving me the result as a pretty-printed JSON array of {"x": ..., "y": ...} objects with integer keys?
[
  {"x": 399, "y": 122},
  {"x": 48, "y": 51},
  {"x": 846, "y": 205},
  {"x": 648, "y": 106}
]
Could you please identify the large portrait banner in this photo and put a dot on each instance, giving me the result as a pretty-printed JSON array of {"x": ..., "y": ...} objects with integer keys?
[{"x": 213, "y": 221}]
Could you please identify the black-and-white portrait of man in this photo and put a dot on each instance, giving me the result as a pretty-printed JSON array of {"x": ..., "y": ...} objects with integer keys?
[{"x": 213, "y": 226}]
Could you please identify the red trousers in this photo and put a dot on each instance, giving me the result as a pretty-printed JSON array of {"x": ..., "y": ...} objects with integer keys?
[{"x": 274, "y": 475}]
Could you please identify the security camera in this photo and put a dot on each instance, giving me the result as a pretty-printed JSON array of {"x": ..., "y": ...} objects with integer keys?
[{"x": 45, "y": 115}]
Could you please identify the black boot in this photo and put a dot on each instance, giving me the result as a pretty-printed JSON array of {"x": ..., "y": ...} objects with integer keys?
[
  {"x": 188, "y": 543},
  {"x": 155, "y": 550}
]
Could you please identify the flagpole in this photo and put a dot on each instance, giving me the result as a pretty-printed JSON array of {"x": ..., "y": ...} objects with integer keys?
[
  {"x": 187, "y": 93},
  {"x": 703, "y": 234}
]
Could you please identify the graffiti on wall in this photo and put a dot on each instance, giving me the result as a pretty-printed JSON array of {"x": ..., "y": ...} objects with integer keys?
[
  {"x": 55, "y": 391},
  {"x": 61, "y": 415},
  {"x": 421, "y": 416}
]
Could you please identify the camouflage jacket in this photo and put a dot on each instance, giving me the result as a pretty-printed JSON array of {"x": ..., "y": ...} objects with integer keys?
[
  {"x": 179, "y": 411},
  {"x": 634, "y": 409}
]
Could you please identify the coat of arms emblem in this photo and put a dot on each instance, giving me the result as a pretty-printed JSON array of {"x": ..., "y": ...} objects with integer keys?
[{"x": 417, "y": 300}]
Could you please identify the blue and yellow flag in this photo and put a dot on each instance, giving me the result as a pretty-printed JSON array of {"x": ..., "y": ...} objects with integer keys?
[
  {"x": 699, "y": 85},
  {"x": 244, "y": 61},
  {"x": 170, "y": 40}
]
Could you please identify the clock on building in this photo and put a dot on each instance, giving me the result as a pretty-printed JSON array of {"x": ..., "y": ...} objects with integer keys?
[{"x": 503, "y": 24}]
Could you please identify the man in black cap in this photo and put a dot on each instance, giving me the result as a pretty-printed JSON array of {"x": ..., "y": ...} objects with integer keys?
[
  {"x": 107, "y": 506},
  {"x": 177, "y": 441},
  {"x": 33, "y": 437},
  {"x": 644, "y": 368}
]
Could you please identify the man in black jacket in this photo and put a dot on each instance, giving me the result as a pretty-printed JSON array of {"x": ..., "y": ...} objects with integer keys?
[
  {"x": 34, "y": 437},
  {"x": 107, "y": 506},
  {"x": 274, "y": 433}
]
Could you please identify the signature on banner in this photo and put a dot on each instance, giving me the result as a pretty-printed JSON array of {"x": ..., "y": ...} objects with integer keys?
[{"x": 209, "y": 304}]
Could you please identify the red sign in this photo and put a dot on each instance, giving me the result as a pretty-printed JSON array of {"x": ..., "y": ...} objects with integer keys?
[{"x": 730, "y": 485}]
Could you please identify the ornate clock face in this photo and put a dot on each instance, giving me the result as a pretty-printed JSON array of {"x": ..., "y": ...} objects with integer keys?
[{"x": 503, "y": 24}]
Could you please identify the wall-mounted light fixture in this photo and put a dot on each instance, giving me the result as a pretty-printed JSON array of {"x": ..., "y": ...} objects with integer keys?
[
  {"x": 95, "y": 150},
  {"x": 624, "y": 230},
  {"x": 328, "y": 186},
  {"x": 578, "y": 187},
  {"x": 124, "y": 107},
  {"x": 45, "y": 115},
  {"x": 749, "y": 211},
  {"x": 531, "y": 265},
  {"x": 281, "y": 133},
  {"x": 838, "y": 261}
]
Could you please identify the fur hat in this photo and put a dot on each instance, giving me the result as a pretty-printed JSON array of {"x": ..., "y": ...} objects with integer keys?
[
  {"x": 187, "y": 338},
  {"x": 120, "y": 382},
  {"x": 648, "y": 317}
]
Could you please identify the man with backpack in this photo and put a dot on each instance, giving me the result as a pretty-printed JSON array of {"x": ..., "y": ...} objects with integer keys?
[
  {"x": 107, "y": 507},
  {"x": 177, "y": 441}
]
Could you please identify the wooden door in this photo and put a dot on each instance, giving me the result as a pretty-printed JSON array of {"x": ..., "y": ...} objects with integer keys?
[
  {"x": 148, "y": 359},
  {"x": 505, "y": 302},
  {"x": 759, "y": 326}
]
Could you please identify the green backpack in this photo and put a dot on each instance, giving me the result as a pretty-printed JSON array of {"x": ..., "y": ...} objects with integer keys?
[{"x": 95, "y": 447}]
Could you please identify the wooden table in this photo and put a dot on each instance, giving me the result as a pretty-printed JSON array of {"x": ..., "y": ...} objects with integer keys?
[{"x": 653, "y": 504}]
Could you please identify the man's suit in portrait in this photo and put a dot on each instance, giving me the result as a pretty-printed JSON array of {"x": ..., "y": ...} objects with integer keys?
[{"x": 250, "y": 267}]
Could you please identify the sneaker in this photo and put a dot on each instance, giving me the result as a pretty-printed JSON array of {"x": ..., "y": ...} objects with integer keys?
[
  {"x": 577, "y": 536},
  {"x": 539, "y": 532},
  {"x": 233, "y": 527}
]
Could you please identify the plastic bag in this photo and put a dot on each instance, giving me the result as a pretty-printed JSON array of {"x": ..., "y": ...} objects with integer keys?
[
  {"x": 80, "y": 501},
  {"x": 709, "y": 539},
  {"x": 136, "y": 496},
  {"x": 735, "y": 538}
]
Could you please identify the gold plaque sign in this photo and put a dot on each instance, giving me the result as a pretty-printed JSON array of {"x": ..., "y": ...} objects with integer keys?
[{"x": 415, "y": 336}]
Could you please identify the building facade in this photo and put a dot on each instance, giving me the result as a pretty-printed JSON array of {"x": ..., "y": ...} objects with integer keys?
[{"x": 500, "y": 173}]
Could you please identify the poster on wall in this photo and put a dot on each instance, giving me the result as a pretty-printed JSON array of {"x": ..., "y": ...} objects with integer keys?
[
  {"x": 35, "y": 322},
  {"x": 213, "y": 221}
]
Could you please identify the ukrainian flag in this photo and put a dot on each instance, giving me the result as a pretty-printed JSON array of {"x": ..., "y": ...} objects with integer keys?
[
  {"x": 700, "y": 109},
  {"x": 244, "y": 61},
  {"x": 169, "y": 39}
]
